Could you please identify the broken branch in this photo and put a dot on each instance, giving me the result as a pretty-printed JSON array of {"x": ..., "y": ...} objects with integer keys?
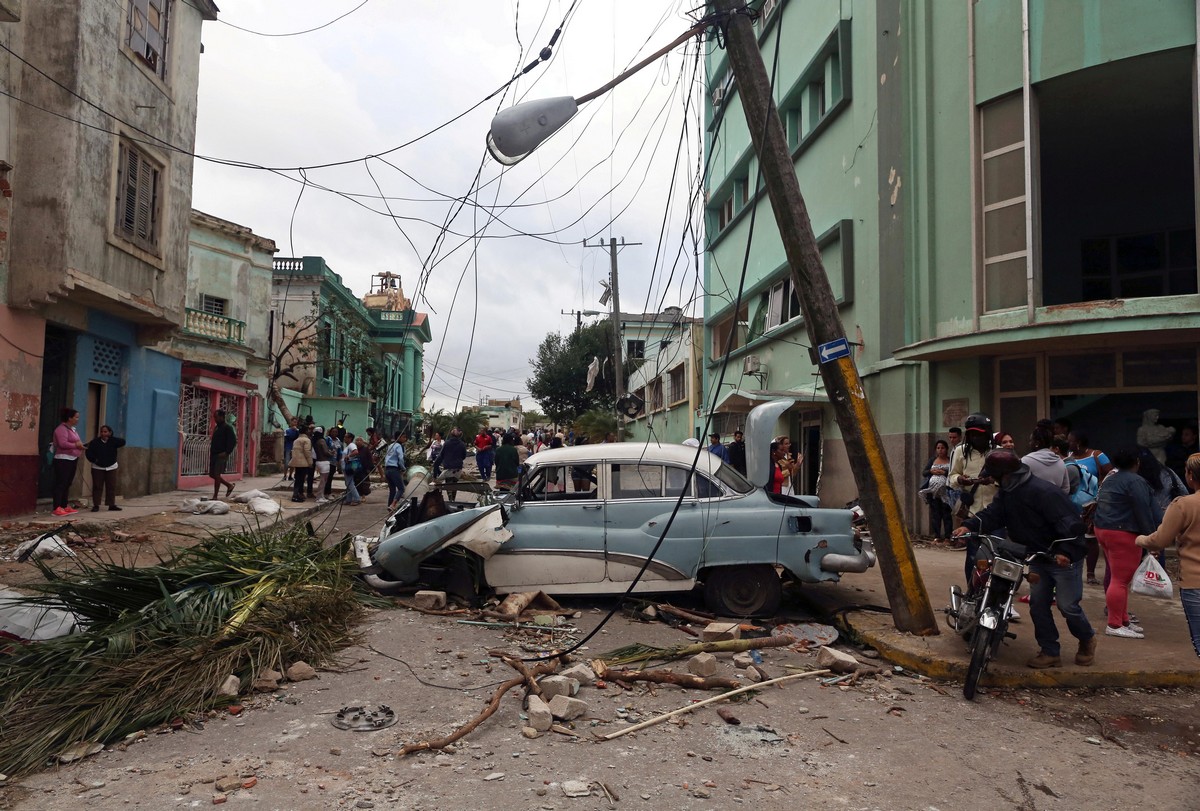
[
  {"x": 679, "y": 679},
  {"x": 723, "y": 697}
]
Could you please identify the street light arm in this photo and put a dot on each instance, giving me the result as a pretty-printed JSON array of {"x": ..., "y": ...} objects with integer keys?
[{"x": 521, "y": 128}]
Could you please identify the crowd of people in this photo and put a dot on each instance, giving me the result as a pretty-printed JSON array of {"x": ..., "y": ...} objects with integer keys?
[{"x": 1079, "y": 505}]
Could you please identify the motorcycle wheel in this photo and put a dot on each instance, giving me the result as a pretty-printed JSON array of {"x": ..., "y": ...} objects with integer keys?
[{"x": 981, "y": 654}]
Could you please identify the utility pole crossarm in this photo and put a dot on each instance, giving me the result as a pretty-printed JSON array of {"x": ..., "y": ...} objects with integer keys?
[{"x": 911, "y": 610}]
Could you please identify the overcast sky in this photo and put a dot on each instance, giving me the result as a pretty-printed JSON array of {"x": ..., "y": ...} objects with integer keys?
[{"x": 391, "y": 72}]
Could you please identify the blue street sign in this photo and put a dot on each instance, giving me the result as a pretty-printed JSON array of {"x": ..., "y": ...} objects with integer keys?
[{"x": 834, "y": 350}]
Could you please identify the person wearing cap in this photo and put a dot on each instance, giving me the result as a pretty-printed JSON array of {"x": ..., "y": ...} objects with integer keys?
[
  {"x": 976, "y": 491},
  {"x": 717, "y": 449},
  {"x": 224, "y": 442},
  {"x": 1036, "y": 513}
]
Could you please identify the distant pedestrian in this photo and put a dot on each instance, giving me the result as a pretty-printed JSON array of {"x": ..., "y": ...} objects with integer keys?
[
  {"x": 323, "y": 462},
  {"x": 302, "y": 464},
  {"x": 508, "y": 463},
  {"x": 1181, "y": 526},
  {"x": 1125, "y": 509},
  {"x": 335, "y": 464},
  {"x": 289, "y": 439},
  {"x": 716, "y": 448},
  {"x": 484, "y": 454},
  {"x": 67, "y": 450},
  {"x": 352, "y": 469},
  {"x": 102, "y": 453},
  {"x": 223, "y": 443},
  {"x": 395, "y": 470},
  {"x": 737, "y": 453}
]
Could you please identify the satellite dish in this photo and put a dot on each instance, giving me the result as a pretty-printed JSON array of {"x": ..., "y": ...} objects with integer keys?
[{"x": 631, "y": 406}]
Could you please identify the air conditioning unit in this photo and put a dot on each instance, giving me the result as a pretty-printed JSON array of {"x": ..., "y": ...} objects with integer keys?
[
  {"x": 718, "y": 96},
  {"x": 751, "y": 365}
]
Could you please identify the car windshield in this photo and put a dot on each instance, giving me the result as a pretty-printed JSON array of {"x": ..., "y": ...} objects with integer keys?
[{"x": 733, "y": 480}]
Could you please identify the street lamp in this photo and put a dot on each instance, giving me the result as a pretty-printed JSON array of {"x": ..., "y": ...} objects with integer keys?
[{"x": 521, "y": 128}]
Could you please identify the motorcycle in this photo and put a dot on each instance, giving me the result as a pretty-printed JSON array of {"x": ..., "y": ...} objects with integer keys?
[{"x": 981, "y": 615}]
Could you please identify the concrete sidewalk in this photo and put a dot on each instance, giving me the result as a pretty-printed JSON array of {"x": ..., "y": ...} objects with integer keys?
[
  {"x": 1164, "y": 658},
  {"x": 238, "y": 517}
]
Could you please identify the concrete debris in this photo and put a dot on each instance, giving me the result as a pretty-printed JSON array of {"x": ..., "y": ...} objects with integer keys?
[
  {"x": 530, "y": 732},
  {"x": 836, "y": 660},
  {"x": 228, "y": 783},
  {"x": 702, "y": 664},
  {"x": 493, "y": 777},
  {"x": 557, "y": 686},
  {"x": 218, "y": 799},
  {"x": 301, "y": 671},
  {"x": 267, "y": 681},
  {"x": 565, "y": 708},
  {"x": 230, "y": 687},
  {"x": 721, "y": 631},
  {"x": 743, "y": 660},
  {"x": 79, "y": 751},
  {"x": 540, "y": 716},
  {"x": 580, "y": 673},
  {"x": 576, "y": 788},
  {"x": 429, "y": 600}
]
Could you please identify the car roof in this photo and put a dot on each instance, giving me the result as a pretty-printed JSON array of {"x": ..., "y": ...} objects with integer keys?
[{"x": 647, "y": 452}]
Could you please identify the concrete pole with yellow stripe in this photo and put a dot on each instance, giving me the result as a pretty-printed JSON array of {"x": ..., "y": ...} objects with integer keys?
[{"x": 911, "y": 610}]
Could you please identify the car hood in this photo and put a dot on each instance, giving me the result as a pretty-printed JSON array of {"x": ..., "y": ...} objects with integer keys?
[{"x": 480, "y": 529}]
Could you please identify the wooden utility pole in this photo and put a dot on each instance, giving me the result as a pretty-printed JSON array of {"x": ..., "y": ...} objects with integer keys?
[{"x": 911, "y": 610}]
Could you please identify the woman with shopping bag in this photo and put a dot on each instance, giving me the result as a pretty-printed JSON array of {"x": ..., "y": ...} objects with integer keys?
[
  {"x": 1125, "y": 509},
  {"x": 1181, "y": 526}
]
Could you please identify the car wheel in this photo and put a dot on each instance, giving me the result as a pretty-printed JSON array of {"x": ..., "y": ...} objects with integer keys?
[{"x": 743, "y": 591}]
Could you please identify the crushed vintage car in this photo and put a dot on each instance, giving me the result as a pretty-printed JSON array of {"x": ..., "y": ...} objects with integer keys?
[{"x": 585, "y": 519}]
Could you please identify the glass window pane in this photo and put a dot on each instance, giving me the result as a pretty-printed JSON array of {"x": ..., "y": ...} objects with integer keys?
[
  {"x": 706, "y": 487},
  {"x": 1176, "y": 367},
  {"x": 676, "y": 481},
  {"x": 1004, "y": 284},
  {"x": 1096, "y": 257},
  {"x": 1003, "y": 123},
  {"x": 1068, "y": 372},
  {"x": 1004, "y": 230},
  {"x": 1004, "y": 177},
  {"x": 1183, "y": 248},
  {"x": 1017, "y": 374},
  {"x": 1140, "y": 253},
  {"x": 636, "y": 481}
]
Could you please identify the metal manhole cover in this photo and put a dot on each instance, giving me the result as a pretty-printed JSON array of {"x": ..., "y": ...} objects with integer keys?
[{"x": 362, "y": 719}]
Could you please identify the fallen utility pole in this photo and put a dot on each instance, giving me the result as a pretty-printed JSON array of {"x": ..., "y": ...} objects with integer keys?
[{"x": 911, "y": 610}]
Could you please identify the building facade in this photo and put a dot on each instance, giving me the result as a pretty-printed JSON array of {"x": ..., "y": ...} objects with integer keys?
[
  {"x": 342, "y": 361},
  {"x": 223, "y": 344},
  {"x": 1004, "y": 196},
  {"x": 96, "y": 176},
  {"x": 663, "y": 350}
]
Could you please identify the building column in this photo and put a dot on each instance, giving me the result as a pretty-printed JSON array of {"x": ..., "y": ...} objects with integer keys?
[
  {"x": 418, "y": 380},
  {"x": 406, "y": 402}
]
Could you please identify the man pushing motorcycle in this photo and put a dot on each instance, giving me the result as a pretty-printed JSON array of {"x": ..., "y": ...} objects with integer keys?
[{"x": 1036, "y": 514}]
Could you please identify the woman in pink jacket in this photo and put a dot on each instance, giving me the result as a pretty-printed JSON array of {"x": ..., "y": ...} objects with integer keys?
[{"x": 67, "y": 450}]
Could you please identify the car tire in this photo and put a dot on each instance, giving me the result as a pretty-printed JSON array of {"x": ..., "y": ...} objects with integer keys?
[{"x": 743, "y": 591}]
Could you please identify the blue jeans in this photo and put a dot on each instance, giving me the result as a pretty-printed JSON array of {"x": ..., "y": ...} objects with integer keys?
[
  {"x": 395, "y": 480},
  {"x": 484, "y": 461},
  {"x": 352, "y": 496},
  {"x": 1064, "y": 583},
  {"x": 1191, "y": 609}
]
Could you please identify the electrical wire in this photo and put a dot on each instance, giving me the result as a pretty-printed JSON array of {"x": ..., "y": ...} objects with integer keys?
[{"x": 289, "y": 33}]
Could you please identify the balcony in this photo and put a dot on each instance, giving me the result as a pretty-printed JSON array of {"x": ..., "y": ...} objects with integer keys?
[{"x": 217, "y": 327}]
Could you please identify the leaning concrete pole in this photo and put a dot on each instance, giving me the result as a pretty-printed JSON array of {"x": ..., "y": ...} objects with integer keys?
[{"x": 911, "y": 610}]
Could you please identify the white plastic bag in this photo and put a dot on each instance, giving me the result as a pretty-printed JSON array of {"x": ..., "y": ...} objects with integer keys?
[{"x": 1150, "y": 579}]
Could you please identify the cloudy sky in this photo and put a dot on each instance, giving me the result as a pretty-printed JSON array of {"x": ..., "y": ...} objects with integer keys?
[{"x": 495, "y": 280}]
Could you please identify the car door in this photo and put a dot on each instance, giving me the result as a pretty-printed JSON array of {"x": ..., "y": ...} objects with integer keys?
[
  {"x": 558, "y": 534},
  {"x": 641, "y": 497}
]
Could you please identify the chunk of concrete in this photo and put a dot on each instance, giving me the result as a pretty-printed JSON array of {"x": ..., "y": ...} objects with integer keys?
[
  {"x": 267, "y": 681},
  {"x": 540, "y": 717},
  {"x": 743, "y": 660},
  {"x": 836, "y": 660},
  {"x": 230, "y": 687},
  {"x": 430, "y": 600},
  {"x": 565, "y": 708},
  {"x": 557, "y": 686},
  {"x": 301, "y": 671},
  {"x": 720, "y": 631},
  {"x": 702, "y": 664},
  {"x": 580, "y": 673}
]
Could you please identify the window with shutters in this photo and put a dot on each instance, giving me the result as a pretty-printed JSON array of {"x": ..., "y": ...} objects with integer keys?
[
  {"x": 148, "y": 26},
  {"x": 139, "y": 186}
]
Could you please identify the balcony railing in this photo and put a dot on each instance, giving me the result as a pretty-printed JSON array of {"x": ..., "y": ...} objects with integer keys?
[{"x": 217, "y": 327}]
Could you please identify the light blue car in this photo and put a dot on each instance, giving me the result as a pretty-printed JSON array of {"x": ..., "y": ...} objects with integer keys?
[{"x": 586, "y": 519}]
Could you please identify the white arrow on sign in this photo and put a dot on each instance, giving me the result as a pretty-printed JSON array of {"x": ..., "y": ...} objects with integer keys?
[{"x": 833, "y": 350}]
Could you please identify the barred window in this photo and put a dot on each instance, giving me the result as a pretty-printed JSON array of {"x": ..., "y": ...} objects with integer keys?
[{"x": 213, "y": 305}]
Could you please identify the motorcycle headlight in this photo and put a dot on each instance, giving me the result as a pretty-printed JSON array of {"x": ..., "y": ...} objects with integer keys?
[{"x": 1007, "y": 569}]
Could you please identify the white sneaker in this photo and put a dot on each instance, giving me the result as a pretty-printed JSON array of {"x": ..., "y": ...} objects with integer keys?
[
  {"x": 322, "y": 501},
  {"x": 1137, "y": 629},
  {"x": 1124, "y": 631},
  {"x": 1013, "y": 616}
]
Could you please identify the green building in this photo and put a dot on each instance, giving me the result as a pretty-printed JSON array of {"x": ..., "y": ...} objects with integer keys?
[
  {"x": 1004, "y": 194},
  {"x": 348, "y": 362}
]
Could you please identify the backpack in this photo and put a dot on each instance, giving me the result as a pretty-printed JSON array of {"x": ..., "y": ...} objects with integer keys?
[{"x": 1088, "y": 489}]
